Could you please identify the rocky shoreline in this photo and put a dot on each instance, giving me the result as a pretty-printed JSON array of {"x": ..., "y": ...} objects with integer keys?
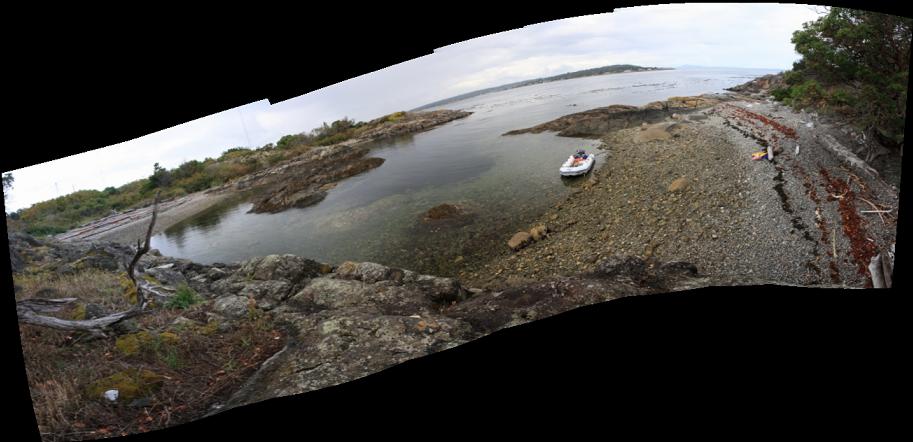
[
  {"x": 678, "y": 183},
  {"x": 677, "y": 205},
  {"x": 344, "y": 322},
  {"x": 297, "y": 182},
  {"x": 305, "y": 181}
]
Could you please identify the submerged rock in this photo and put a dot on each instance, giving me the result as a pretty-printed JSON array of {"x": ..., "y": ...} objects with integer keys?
[{"x": 443, "y": 211}]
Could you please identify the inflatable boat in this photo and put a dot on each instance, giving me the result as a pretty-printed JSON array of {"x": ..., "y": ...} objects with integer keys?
[{"x": 578, "y": 164}]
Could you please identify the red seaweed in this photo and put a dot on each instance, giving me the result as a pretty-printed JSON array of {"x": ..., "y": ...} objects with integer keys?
[
  {"x": 788, "y": 131},
  {"x": 853, "y": 225}
]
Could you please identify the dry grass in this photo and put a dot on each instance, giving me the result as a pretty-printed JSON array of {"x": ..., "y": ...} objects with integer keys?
[
  {"x": 201, "y": 367},
  {"x": 94, "y": 286}
]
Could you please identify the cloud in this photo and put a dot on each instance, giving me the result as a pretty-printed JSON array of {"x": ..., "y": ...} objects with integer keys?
[{"x": 735, "y": 35}]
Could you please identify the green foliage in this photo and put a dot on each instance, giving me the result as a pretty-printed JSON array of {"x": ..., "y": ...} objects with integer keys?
[
  {"x": 290, "y": 141},
  {"x": 333, "y": 139},
  {"x": 7, "y": 183},
  {"x": 187, "y": 170},
  {"x": 160, "y": 177},
  {"x": 780, "y": 94},
  {"x": 856, "y": 62},
  {"x": 336, "y": 132},
  {"x": 396, "y": 116},
  {"x": 43, "y": 229},
  {"x": 66, "y": 212},
  {"x": 183, "y": 298},
  {"x": 235, "y": 153}
]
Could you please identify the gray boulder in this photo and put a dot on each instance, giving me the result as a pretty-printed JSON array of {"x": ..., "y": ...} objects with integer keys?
[
  {"x": 231, "y": 306},
  {"x": 286, "y": 267},
  {"x": 167, "y": 275},
  {"x": 343, "y": 345},
  {"x": 385, "y": 297}
]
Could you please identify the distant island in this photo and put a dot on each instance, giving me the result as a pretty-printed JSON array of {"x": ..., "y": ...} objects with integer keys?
[{"x": 613, "y": 69}]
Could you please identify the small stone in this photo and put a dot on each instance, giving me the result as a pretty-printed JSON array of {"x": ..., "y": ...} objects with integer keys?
[
  {"x": 519, "y": 240},
  {"x": 539, "y": 232},
  {"x": 679, "y": 184}
]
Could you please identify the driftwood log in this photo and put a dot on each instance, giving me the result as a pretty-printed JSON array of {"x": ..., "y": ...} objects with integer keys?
[
  {"x": 881, "y": 269},
  {"x": 32, "y": 311}
]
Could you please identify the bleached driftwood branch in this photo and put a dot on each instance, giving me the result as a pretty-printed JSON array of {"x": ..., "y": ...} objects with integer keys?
[
  {"x": 881, "y": 269},
  {"x": 30, "y": 310}
]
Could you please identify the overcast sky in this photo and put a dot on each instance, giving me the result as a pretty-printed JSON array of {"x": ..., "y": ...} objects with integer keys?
[{"x": 737, "y": 35}]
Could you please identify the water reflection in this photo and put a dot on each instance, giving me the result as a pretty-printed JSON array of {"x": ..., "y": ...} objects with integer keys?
[
  {"x": 205, "y": 221},
  {"x": 503, "y": 182}
]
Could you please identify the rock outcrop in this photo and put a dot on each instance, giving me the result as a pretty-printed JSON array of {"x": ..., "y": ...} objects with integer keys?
[
  {"x": 366, "y": 317},
  {"x": 403, "y": 123},
  {"x": 358, "y": 318},
  {"x": 303, "y": 183},
  {"x": 759, "y": 85},
  {"x": 596, "y": 122}
]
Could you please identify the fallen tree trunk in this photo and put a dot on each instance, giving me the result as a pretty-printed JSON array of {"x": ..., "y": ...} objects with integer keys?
[
  {"x": 875, "y": 271},
  {"x": 887, "y": 270},
  {"x": 29, "y": 310},
  {"x": 881, "y": 269},
  {"x": 40, "y": 305},
  {"x": 28, "y": 316},
  {"x": 847, "y": 155}
]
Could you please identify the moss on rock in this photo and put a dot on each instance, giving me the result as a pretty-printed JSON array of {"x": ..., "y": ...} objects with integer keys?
[
  {"x": 79, "y": 312},
  {"x": 211, "y": 327},
  {"x": 130, "y": 384},
  {"x": 129, "y": 288},
  {"x": 169, "y": 338},
  {"x": 132, "y": 343}
]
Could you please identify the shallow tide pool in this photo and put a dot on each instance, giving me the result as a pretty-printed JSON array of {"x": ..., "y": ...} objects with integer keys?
[{"x": 504, "y": 182}]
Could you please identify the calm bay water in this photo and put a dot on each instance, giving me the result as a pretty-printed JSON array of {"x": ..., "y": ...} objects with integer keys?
[{"x": 505, "y": 182}]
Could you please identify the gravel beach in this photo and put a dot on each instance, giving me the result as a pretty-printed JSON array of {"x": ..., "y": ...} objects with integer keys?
[{"x": 687, "y": 189}]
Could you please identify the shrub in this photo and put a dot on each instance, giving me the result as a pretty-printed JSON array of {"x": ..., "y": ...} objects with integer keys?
[
  {"x": 43, "y": 230},
  {"x": 290, "y": 141},
  {"x": 396, "y": 116},
  {"x": 235, "y": 152},
  {"x": 863, "y": 58},
  {"x": 183, "y": 298}
]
